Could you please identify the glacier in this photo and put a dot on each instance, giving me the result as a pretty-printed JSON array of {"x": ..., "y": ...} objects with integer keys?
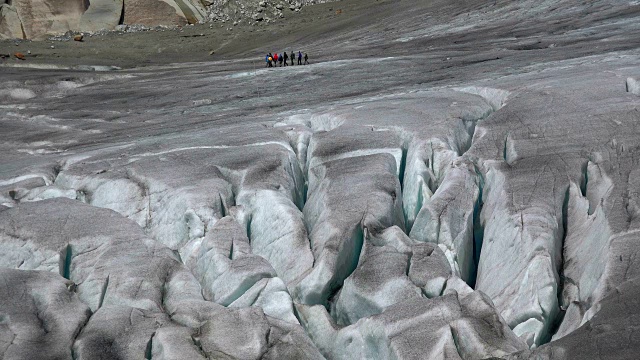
[{"x": 474, "y": 194}]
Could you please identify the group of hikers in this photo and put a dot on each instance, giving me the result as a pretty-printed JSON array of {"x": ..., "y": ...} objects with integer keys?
[{"x": 275, "y": 59}]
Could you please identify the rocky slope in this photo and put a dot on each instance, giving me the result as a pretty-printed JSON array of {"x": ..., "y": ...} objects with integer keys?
[
  {"x": 37, "y": 19},
  {"x": 471, "y": 194}
]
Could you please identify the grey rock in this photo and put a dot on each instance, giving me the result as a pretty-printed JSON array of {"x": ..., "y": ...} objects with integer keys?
[
  {"x": 10, "y": 23},
  {"x": 101, "y": 14}
]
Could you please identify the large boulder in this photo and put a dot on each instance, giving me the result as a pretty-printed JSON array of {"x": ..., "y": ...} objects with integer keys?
[
  {"x": 102, "y": 14},
  {"x": 10, "y": 25},
  {"x": 41, "y": 17}
]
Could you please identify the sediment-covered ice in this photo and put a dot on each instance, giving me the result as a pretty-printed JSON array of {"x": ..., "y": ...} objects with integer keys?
[
  {"x": 445, "y": 327},
  {"x": 41, "y": 315},
  {"x": 465, "y": 204},
  {"x": 336, "y": 216},
  {"x": 135, "y": 288},
  {"x": 447, "y": 218}
]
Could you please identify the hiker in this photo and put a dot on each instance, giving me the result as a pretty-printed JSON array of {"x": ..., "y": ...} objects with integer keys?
[
  {"x": 266, "y": 60},
  {"x": 306, "y": 59},
  {"x": 280, "y": 58},
  {"x": 299, "y": 58},
  {"x": 270, "y": 60},
  {"x": 286, "y": 57},
  {"x": 293, "y": 56},
  {"x": 275, "y": 59}
]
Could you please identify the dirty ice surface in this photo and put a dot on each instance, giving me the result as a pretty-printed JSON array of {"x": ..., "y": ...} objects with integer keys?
[{"x": 470, "y": 199}]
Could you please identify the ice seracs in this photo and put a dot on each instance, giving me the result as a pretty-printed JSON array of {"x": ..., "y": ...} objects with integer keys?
[
  {"x": 447, "y": 219},
  {"x": 472, "y": 198},
  {"x": 134, "y": 286},
  {"x": 445, "y": 327}
]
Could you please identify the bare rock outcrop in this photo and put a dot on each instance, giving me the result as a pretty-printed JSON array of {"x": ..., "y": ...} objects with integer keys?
[
  {"x": 39, "y": 17},
  {"x": 36, "y": 19},
  {"x": 165, "y": 12},
  {"x": 102, "y": 14},
  {"x": 10, "y": 25}
]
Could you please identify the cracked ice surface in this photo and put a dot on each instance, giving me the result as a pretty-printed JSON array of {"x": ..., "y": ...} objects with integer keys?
[
  {"x": 411, "y": 212},
  {"x": 136, "y": 289}
]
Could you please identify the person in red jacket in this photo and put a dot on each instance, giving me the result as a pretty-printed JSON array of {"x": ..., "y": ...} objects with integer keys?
[{"x": 275, "y": 59}]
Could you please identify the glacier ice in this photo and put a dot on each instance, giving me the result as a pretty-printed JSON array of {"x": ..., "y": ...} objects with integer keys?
[
  {"x": 440, "y": 328},
  {"x": 41, "y": 315},
  {"x": 479, "y": 203},
  {"x": 447, "y": 218}
]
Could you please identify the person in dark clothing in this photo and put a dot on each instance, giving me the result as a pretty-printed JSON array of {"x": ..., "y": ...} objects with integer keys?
[
  {"x": 280, "y": 59},
  {"x": 306, "y": 59},
  {"x": 299, "y": 58},
  {"x": 270, "y": 60},
  {"x": 286, "y": 57},
  {"x": 293, "y": 56}
]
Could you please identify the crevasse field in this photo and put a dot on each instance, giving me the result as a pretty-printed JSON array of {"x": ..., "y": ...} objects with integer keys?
[{"x": 454, "y": 180}]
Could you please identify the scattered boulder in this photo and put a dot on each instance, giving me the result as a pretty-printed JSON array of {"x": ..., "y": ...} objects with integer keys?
[
  {"x": 78, "y": 38},
  {"x": 19, "y": 56}
]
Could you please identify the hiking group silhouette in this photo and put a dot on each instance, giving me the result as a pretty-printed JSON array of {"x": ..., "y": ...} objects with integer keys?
[{"x": 273, "y": 60}]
